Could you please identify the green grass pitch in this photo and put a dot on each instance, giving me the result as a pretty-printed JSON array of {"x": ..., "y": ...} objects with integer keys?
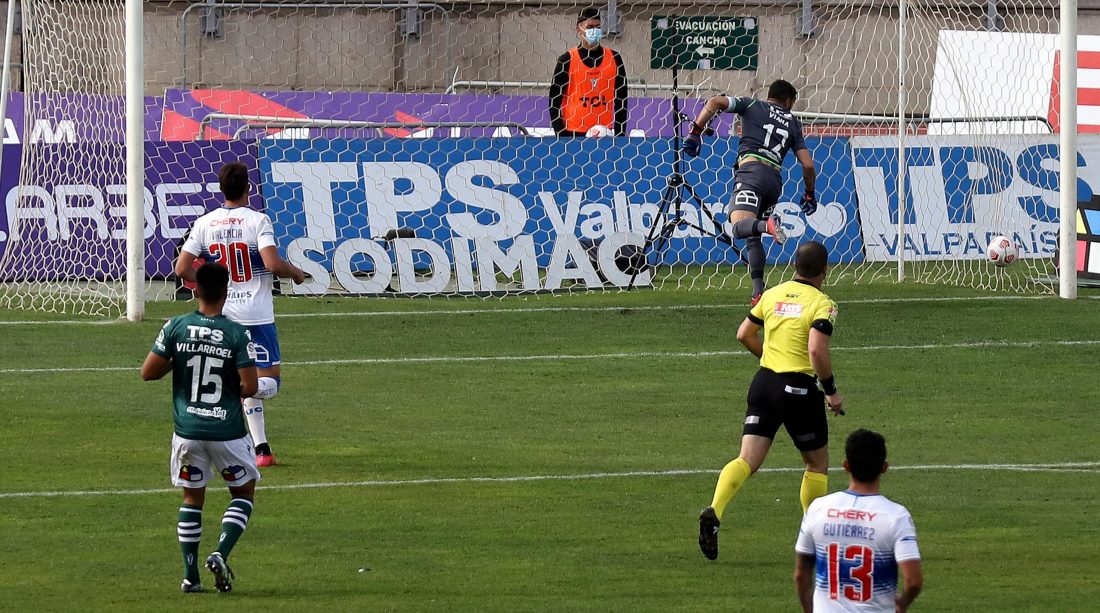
[{"x": 392, "y": 409}]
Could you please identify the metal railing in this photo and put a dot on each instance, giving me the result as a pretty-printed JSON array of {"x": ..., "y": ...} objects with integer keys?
[
  {"x": 1016, "y": 119},
  {"x": 927, "y": 120},
  {"x": 474, "y": 84},
  {"x": 260, "y": 122},
  {"x": 255, "y": 122}
]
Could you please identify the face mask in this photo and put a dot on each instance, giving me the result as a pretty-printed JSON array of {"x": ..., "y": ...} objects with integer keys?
[{"x": 593, "y": 35}]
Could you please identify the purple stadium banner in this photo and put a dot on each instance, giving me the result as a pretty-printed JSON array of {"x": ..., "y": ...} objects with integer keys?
[
  {"x": 73, "y": 118},
  {"x": 184, "y": 111},
  {"x": 180, "y": 184}
]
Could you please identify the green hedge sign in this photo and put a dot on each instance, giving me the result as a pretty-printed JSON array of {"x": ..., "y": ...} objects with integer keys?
[{"x": 705, "y": 43}]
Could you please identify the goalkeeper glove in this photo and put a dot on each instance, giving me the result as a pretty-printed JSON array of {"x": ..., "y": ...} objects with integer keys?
[
  {"x": 808, "y": 204},
  {"x": 693, "y": 143}
]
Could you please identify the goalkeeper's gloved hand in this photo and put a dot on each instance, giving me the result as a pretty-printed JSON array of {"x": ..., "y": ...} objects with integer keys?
[
  {"x": 808, "y": 204},
  {"x": 693, "y": 143}
]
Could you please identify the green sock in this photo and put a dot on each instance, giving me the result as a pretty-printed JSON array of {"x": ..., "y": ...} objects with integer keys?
[
  {"x": 189, "y": 531},
  {"x": 234, "y": 522}
]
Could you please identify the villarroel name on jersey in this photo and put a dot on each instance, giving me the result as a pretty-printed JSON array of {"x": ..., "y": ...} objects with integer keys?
[{"x": 214, "y": 350}]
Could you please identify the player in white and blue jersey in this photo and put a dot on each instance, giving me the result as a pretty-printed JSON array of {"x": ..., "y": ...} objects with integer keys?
[
  {"x": 243, "y": 240},
  {"x": 852, "y": 544}
]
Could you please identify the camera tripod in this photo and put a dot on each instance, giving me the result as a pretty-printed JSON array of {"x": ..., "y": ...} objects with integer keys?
[{"x": 671, "y": 208}]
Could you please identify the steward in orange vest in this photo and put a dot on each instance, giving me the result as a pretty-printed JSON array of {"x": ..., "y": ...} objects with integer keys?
[{"x": 589, "y": 86}]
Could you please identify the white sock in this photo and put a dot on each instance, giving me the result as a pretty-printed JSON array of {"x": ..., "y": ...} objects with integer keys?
[{"x": 254, "y": 413}]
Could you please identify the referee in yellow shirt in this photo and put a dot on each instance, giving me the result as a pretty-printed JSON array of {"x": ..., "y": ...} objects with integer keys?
[{"x": 797, "y": 319}]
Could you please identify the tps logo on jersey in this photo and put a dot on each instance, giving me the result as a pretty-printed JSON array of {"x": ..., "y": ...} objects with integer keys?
[
  {"x": 233, "y": 473},
  {"x": 202, "y": 333},
  {"x": 788, "y": 309},
  {"x": 190, "y": 474}
]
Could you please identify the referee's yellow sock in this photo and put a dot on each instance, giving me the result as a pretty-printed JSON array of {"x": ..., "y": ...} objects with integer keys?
[
  {"x": 732, "y": 478},
  {"x": 814, "y": 485}
]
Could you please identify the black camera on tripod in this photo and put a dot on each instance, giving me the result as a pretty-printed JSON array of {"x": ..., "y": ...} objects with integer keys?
[{"x": 671, "y": 208}]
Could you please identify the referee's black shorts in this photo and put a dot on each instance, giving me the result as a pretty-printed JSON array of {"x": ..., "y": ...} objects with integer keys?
[{"x": 791, "y": 400}]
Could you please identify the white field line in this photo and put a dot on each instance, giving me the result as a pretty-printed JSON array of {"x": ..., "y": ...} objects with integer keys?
[
  {"x": 558, "y": 357},
  {"x": 552, "y": 309},
  {"x": 64, "y": 322},
  {"x": 673, "y": 307},
  {"x": 1079, "y": 467}
]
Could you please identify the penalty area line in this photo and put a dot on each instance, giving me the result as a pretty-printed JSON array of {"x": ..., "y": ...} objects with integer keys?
[
  {"x": 622, "y": 308},
  {"x": 1077, "y": 467},
  {"x": 559, "y": 309},
  {"x": 563, "y": 357}
]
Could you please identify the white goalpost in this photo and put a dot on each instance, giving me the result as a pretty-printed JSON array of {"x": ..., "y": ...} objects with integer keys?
[
  {"x": 135, "y": 160},
  {"x": 1067, "y": 255},
  {"x": 407, "y": 148}
]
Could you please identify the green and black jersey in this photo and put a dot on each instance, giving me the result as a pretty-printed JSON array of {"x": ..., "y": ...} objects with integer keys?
[{"x": 206, "y": 353}]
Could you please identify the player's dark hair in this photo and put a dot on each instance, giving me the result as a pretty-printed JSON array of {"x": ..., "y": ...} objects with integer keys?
[
  {"x": 212, "y": 282},
  {"x": 782, "y": 90},
  {"x": 810, "y": 259},
  {"x": 588, "y": 13},
  {"x": 866, "y": 453},
  {"x": 233, "y": 180}
]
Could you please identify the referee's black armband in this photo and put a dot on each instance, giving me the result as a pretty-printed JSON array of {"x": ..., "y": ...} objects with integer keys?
[
  {"x": 823, "y": 326},
  {"x": 756, "y": 320},
  {"x": 829, "y": 385}
]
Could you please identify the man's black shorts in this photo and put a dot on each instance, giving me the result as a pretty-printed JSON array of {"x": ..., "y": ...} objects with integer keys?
[
  {"x": 788, "y": 399},
  {"x": 756, "y": 188}
]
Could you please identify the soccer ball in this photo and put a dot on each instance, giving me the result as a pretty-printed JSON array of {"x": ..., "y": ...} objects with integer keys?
[
  {"x": 1002, "y": 251},
  {"x": 597, "y": 131}
]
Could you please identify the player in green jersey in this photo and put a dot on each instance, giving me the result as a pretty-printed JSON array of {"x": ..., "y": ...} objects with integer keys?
[{"x": 213, "y": 366}]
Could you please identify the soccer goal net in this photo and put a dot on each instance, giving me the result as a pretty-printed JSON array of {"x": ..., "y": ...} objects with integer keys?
[{"x": 412, "y": 147}]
